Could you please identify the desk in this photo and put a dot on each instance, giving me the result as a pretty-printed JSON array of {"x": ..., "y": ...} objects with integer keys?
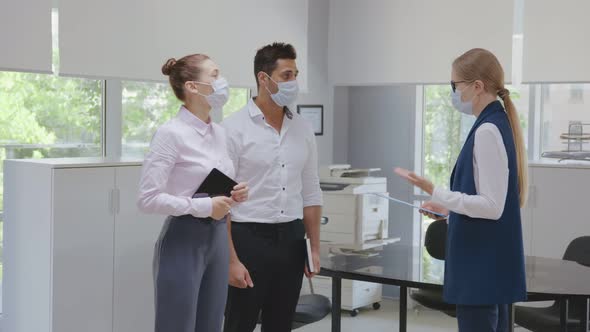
[{"x": 547, "y": 279}]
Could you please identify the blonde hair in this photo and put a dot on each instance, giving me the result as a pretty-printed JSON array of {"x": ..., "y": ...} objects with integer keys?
[{"x": 480, "y": 64}]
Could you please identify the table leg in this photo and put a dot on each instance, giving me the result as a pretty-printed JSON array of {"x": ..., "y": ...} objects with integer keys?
[
  {"x": 336, "y": 303},
  {"x": 584, "y": 320},
  {"x": 511, "y": 317},
  {"x": 563, "y": 314},
  {"x": 403, "y": 308}
]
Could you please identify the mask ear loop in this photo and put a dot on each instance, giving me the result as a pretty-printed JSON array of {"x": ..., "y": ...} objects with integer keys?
[
  {"x": 209, "y": 84},
  {"x": 270, "y": 78}
]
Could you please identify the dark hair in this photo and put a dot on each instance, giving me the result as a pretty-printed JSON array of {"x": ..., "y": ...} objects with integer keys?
[
  {"x": 180, "y": 71},
  {"x": 266, "y": 57}
]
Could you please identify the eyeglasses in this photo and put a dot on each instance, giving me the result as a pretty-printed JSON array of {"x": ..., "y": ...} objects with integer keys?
[{"x": 454, "y": 84}]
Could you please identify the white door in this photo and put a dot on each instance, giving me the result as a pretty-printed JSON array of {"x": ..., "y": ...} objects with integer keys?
[
  {"x": 82, "y": 245},
  {"x": 135, "y": 236}
]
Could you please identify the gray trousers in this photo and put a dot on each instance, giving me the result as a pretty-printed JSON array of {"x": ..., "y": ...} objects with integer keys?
[{"x": 191, "y": 262}]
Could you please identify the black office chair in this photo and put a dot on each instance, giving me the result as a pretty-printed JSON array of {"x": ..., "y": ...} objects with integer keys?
[
  {"x": 433, "y": 299},
  {"x": 310, "y": 308},
  {"x": 547, "y": 319},
  {"x": 435, "y": 243},
  {"x": 435, "y": 239}
]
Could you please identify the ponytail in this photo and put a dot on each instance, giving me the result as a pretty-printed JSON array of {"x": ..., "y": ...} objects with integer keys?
[
  {"x": 521, "y": 156},
  {"x": 481, "y": 64}
]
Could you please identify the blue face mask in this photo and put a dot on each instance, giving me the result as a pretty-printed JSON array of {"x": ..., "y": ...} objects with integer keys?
[
  {"x": 220, "y": 94},
  {"x": 287, "y": 93},
  {"x": 465, "y": 107}
]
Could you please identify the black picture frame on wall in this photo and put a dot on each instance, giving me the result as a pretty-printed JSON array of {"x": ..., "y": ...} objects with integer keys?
[{"x": 315, "y": 115}]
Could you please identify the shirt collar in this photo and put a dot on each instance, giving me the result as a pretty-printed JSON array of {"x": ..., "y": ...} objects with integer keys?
[
  {"x": 255, "y": 111},
  {"x": 201, "y": 127}
]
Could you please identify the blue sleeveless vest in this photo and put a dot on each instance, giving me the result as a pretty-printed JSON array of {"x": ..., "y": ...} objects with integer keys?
[{"x": 485, "y": 258}]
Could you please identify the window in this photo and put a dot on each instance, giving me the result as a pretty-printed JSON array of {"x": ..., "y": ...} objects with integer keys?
[
  {"x": 146, "y": 106},
  {"x": 45, "y": 116},
  {"x": 445, "y": 130},
  {"x": 238, "y": 98},
  {"x": 562, "y": 104}
]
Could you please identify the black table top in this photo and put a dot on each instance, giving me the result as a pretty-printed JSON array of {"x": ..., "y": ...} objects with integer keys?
[{"x": 395, "y": 264}]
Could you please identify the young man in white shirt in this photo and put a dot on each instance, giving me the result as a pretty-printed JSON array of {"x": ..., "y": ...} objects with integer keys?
[{"x": 274, "y": 150}]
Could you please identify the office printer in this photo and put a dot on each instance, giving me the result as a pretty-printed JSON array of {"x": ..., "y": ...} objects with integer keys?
[
  {"x": 353, "y": 218},
  {"x": 354, "y": 222}
]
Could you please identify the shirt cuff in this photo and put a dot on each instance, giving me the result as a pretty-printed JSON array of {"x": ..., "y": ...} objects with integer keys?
[
  {"x": 438, "y": 195},
  {"x": 202, "y": 207},
  {"x": 316, "y": 201}
]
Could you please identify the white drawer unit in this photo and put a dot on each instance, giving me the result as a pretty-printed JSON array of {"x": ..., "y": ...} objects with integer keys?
[{"x": 355, "y": 294}]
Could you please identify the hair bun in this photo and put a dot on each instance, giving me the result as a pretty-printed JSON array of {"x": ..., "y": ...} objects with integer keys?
[
  {"x": 167, "y": 67},
  {"x": 503, "y": 93}
]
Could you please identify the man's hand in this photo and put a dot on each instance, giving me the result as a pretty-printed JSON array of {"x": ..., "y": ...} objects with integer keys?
[
  {"x": 240, "y": 192},
  {"x": 316, "y": 263},
  {"x": 239, "y": 276}
]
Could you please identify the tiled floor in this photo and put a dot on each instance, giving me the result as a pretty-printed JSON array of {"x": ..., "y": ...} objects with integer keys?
[{"x": 386, "y": 319}]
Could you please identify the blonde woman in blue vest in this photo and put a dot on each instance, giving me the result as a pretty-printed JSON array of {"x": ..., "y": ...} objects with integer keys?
[{"x": 484, "y": 263}]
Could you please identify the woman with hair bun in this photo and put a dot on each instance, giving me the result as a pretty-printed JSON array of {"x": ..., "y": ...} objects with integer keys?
[{"x": 191, "y": 258}]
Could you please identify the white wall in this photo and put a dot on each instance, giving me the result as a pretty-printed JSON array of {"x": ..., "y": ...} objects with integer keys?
[
  {"x": 406, "y": 42},
  {"x": 319, "y": 91},
  {"x": 341, "y": 115},
  {"x": 381, "y": 134},
  {"x": 141, "y": 35},
  {"x": 374, "y": 127}
]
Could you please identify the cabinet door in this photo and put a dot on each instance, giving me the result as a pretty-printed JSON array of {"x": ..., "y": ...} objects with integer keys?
[
  {"x": 83, "y": 225},
  {"x": 561, "y": 210},
  {"x": 135, "y": 237}
]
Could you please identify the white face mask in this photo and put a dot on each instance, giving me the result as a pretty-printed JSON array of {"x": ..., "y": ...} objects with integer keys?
[
  {"x": 220, "y": 94},
  {"x": 465, "y": 107},
  {"x": 287, "y": 93}
]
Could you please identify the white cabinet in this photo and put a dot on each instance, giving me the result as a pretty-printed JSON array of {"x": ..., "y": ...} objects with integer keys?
[
  {"x": 557, "y": 211},
  {"x": 82, "y": 249},
  {"x": 135, "y": 237},
  {"x": 355, "y": 294},
  {"x": 77, "y": 251}
]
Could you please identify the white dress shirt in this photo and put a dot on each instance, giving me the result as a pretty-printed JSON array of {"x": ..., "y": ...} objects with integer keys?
[
  {"x": 182, "y": 153},
  {"x": 281, "y": 169},
  {"x": 490, "y": 167}
]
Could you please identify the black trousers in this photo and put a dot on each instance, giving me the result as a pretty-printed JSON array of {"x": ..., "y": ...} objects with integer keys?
[{"x": 274, "y": 254}]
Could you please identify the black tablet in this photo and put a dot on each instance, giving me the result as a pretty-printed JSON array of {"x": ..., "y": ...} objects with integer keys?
[{"x": 216, "y": 184}]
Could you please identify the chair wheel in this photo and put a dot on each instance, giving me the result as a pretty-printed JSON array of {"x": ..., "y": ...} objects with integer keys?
[
  {"x": 376, "y": 305},
  {"x": 354, "y": 313}
]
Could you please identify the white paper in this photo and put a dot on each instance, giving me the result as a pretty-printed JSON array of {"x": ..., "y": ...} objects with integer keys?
[{"x": 409, "y": 204}]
